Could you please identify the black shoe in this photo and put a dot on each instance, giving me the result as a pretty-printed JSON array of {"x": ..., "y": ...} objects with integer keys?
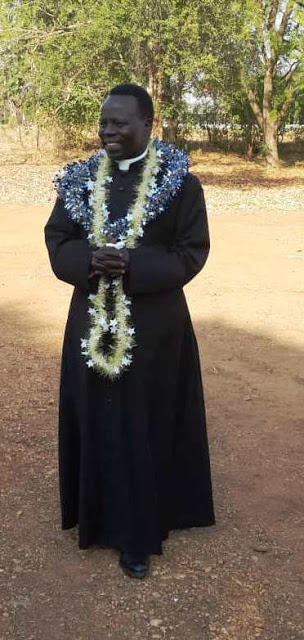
[{"x": 134, "y": 566}]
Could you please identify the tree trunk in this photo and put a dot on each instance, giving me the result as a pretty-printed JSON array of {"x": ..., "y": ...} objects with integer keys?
[
  {"x": 249, "y": 140},
  {"x": 170, "y": 132},
  {"x": 156, "y": 90},
  {"x": 271, "y": 142},
  {"x": 270, "y": 125}
]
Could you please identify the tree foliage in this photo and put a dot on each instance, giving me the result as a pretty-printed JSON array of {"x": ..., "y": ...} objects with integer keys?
[{"x": 59, "y": 58}]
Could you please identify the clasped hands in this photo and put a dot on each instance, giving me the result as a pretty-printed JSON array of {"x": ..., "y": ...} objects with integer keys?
[{"x": 109, "y": 262}]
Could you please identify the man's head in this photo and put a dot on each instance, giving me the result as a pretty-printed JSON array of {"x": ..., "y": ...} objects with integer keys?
[{"x": 126, "y": 121}]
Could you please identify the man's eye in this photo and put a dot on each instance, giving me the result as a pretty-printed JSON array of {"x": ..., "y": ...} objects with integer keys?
[{"x": 117, "y": 124}]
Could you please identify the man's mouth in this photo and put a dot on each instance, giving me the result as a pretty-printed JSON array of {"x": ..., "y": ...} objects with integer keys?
[{"x": 112, "y": 146}]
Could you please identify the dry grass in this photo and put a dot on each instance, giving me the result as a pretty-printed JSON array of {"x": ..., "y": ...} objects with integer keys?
[{"x": 33, "y": 145}]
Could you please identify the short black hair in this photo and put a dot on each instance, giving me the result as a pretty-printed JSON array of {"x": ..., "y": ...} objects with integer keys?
[{"x": 144, "y": 100}]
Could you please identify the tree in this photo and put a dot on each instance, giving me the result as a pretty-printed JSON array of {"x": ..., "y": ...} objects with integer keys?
[
  {"x": 70, "y": 52},
  {"x": 60, "y": 57},
  {"x": 164, "y": 55},
  {"x": 282, "y": 62},
  {"x": 259, "y": 50}
]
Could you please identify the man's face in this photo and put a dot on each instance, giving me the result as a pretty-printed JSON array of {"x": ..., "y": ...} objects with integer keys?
[{"x": 124, "y": 133}]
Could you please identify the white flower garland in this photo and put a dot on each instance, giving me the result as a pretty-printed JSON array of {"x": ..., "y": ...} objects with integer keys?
[{"x": 109, "y": 315}]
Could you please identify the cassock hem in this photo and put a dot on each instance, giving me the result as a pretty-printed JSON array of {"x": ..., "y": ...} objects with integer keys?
[{"x": 108, "y": 542}]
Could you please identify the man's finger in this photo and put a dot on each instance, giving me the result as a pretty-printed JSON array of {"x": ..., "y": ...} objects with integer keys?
[
  {"x": 100, "y": 254},
  {"x": 108, "y": 264},
  {"x": 103, "y": 271}
]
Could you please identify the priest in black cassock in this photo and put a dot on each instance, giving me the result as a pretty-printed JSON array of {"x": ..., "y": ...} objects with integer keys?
[{"x": 128, "y": 231}]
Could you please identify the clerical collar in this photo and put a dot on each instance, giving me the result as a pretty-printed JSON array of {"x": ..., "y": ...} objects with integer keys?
[{"x": 124, "y": 165}]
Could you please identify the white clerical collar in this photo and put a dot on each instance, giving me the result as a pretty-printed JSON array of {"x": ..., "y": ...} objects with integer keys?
[{"x": 124, "y": 165}]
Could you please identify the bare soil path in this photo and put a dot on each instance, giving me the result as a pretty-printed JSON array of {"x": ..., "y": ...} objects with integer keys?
[{"x": 240, "y": 580}]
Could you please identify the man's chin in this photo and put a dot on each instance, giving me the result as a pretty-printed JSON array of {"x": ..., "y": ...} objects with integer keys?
[{"x": 114, "y": 151}]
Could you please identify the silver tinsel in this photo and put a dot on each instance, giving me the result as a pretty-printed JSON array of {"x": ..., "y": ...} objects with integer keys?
[{"x": 74, "y": 186}]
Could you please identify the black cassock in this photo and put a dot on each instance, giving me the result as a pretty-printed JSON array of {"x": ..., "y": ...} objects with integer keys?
[{"x": 133, "y": 453}]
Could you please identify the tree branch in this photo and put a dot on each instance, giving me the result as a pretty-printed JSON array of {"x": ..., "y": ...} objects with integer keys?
[
  {"x": 293, "y": 88},
  {"x": 285, "y": 17},
  {"x": 47, "y": 13},
  {"x": 273, "y": 13},
  {"x": 252, "y": 98},
  {"x": 293, "y": 67},
  {"x": 255, "y": 107},
  {"x": 285, "y": 107}
]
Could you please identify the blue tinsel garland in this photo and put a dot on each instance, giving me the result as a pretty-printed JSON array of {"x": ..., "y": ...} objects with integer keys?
[{"x": 73, "y": 186}]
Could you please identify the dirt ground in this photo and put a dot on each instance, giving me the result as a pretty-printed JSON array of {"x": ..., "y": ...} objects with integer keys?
[{"x": 240, "y": 580}]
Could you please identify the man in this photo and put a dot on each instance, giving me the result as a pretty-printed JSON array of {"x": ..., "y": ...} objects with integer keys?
[{"x": 129, "y": 230}]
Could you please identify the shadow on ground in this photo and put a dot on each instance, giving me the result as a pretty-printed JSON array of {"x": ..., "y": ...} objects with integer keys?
[{"x": 240, "y": 579}]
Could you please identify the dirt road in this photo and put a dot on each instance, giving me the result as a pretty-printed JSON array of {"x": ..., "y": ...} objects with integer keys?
[{"x": 239, "y": 580}]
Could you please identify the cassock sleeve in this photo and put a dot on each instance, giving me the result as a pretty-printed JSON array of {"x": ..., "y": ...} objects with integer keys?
[
  {"x": 70, "y": 255},
  {"x": 159, "y": 268}
]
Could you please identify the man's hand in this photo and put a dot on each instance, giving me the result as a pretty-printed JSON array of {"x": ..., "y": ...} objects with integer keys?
[{"x": 109, "y": 262}]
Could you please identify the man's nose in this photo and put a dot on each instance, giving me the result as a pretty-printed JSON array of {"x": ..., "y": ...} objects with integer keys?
[{"x": 109, "y": 130}]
